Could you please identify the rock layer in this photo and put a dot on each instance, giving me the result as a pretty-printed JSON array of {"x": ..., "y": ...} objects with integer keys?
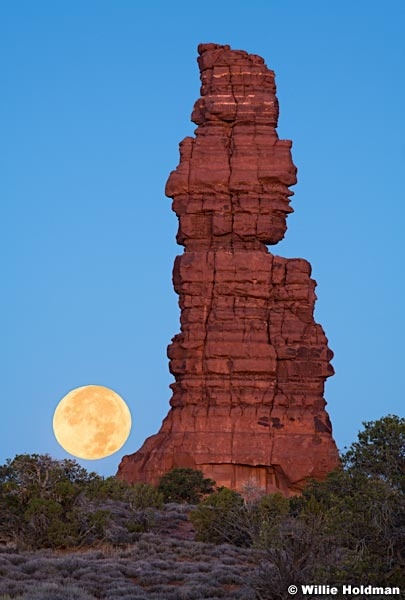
[{"x": 250, "y": 362}]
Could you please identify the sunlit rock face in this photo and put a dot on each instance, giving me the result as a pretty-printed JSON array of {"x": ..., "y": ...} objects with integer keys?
[{"x": 250, "y": 363}]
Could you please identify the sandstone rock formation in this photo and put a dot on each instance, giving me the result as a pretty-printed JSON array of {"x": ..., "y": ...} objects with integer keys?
[{"x": 250, "y": 362}]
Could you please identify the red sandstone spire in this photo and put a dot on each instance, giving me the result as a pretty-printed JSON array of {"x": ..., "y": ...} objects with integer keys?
[
  {"x": 231, "y": 186},
  {"x": 250, "y": 362}
]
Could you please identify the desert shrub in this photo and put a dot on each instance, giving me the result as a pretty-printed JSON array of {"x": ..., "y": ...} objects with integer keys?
[
  {"x": 363, "y": 506},
  {"x": 69, "y": 565},
  {"x": 141, "y": 496},
  {"x": 141, "y": 521},
  {"x": 34, "y": 565},
  {"x": 138, "y": 495},
  {"x": 222, "y": 518},
  {"x": 164, "y": 566},
  {"x": 57, "y": 504},
  {"x": 17, "y": 558},
  {"x": 199, "y": 592},
  {"x": 226, "y": 577},
  {"x": 42, "y": 503},
  {"x": 48, "y": 503},
  {"x": 13, "y": 588},
  {"x": 185, "y": 485},
  {"x": 106, "y": 488},
  {"x": 379, "y": 452},
  {"x": 349, "y": 527},
  {"x": 226, "y": 517},
  {"x": 56, "y": 591},
  {"x": 265, "y": 517},
  {"x": 120, "y": 589},
  {"x": 295, "y": 552},
  {"x": 364, "y": 519}
]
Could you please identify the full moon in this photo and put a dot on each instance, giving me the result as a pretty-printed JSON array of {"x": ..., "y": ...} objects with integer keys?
[{"x": 92, "y": 422}]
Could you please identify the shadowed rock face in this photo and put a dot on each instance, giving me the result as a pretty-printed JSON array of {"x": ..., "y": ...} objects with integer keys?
[{"x": 250, "y": 362}]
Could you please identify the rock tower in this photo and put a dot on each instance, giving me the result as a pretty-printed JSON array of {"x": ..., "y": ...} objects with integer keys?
[{"x": 250, "y": 362}]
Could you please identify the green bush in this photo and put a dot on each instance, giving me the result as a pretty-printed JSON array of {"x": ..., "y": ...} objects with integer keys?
[
  {"x": 379, "y": 452},
  {"x": 143, "y": 495},
  {"x": 138, "y": 495},
  {"x": 46, "y": 503},
  {"x": 221, "y": 518},
  {"x": 184, "y": 485},
  {"x": 43, "y": 504},
  {"x": 109, "y": 488}
]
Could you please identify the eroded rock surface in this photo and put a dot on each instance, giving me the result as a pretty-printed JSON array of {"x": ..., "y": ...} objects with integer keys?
[{"x": 250, "y": 362}]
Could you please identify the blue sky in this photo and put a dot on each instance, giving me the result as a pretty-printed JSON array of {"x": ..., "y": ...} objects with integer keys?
[{"x": 95, "y": 97}]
